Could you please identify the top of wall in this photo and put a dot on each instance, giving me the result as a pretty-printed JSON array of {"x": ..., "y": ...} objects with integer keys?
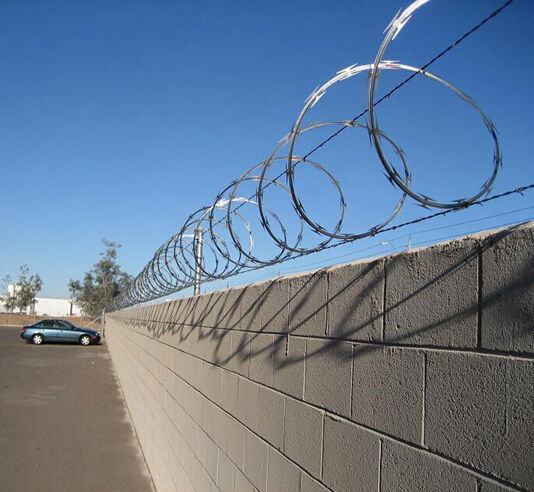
[{"x": 471, "y": 293}]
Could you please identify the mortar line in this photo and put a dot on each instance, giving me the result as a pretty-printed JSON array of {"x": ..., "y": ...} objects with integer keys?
[
  {"x": 288, "y": 337},
  {"x": 351, "y": 379},
  {"x": 132, "y": 421},
  {"x": 172, "y": 450},
  {"x": 380, "y": 444},
  {"x": 327, "y": 314},
  {"x": 480, "y": 287},
  {"x": 171, "y": 420},
  {"x": 506, "y": 395},
  {"x": 520, "y": 356},
  {"x": 304, "y": 369},
  {"x": 267, "y": 470},
  {"x": 322, "y": 445},
  {"x": 423, "y": 420},
  {"x": 218, "y": 406},
  {"x": 378, "y": 433},
  {"x": 218, "y": 464},
  {"x": 384, "y": 304},
  {"x": 284, "y": 428}
]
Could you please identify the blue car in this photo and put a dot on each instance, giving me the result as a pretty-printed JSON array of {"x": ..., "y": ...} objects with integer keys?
[{"x": 58, "y": 330}]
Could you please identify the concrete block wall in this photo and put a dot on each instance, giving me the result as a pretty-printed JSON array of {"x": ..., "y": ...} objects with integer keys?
[{"x": 410, "y": 372}]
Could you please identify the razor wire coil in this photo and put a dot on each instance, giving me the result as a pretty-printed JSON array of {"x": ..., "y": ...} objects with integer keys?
[{"x": 227, "y": 253}]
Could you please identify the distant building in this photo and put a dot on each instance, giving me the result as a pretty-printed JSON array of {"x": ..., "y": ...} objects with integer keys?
[
  {"x": 55, "y": 307},
  {"x": 45, "y": 306}
]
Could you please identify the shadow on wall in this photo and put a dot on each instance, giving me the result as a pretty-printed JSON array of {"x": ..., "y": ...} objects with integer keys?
[{"x": 460, "y": 310}]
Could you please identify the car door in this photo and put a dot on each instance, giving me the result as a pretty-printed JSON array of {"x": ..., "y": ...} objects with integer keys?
[
  {"x": 49, "y": 330},
  {"x": 67, "y": 334}
]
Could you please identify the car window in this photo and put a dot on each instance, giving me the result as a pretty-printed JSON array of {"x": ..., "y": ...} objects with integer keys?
[
  {"x": 47, "y": 323},
  {"x": 39, "y": 325},
  {"x": 64, "y": 324}
]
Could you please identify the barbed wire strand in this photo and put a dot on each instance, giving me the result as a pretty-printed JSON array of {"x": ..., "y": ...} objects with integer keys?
[
  {"x": 519, "y": 190},
  {"x": 413, "y": 233}
]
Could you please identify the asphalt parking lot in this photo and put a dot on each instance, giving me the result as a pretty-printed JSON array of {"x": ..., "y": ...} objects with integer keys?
[{"x": 64, "y": 425}]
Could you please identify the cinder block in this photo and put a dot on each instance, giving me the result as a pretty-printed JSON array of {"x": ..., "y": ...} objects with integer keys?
[
  {"x": 207, "y": 453},
  {"x": 350, "y": 460},
  {"x": 256, "y": 456},
  {"x": 198, "y": 312},
  {"x": 270, "y": 423},
  {"x": 214, "y": 383},
  {"x": 387, "y": 391},
  {"x": 202, "y": 310},
  {"x": 189, "y": 305},
  {"x": 221, "y": 351},
  {"x": 487, "y": 486},
  {"x": 216, "y": 310},
  {"x": 225, "y": 474},
  {"x": 191, "y": 369},
  {"x": 479, "y": 411},
  {"x": 240, "y": 356},
  {"x": 247, "y": 406},
  {"x": 328, "y": 375},
  {"x": 407, "y": 469},
  {"x": 201, "y": 377},
  {"x": 181, "y": 479},
  {"x": 250, "y": 307},
  {"x": 303, "y": 434},
  {"x": 230, "y": 314},
  {"x": 508, "y": 291},
  {"x": 174, "y": 309},
  {"x": 261, "y": 358},
  {"x": 202, "y": 346},
  {"x": 432, "y": 296},
  {"x": 229, "y": 392},
  {"x": 192, "y": 401},
  {"x": 520, "y": 438},
  {"x": 282, "y": 474},
  {"x": 242, "y": 483},
  {"x": 356, "y": 300},
  {"x": 288, "y": 358},
  {"x": 235, "y": 444},
  {"x": 308, "y": 484},
  {"x": 174, "y": 336},
  {"x": 274, "y": 311},
  {"x": 187, "y": 428},
  {"x": 220, "y": 427},
  {"x": 213, "y": 311},
  {"x": 307, "y": 304}
]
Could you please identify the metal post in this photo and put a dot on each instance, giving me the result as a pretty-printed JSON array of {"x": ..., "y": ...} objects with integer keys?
[
  {"x": 103, "y": 323},
  {"x": 199, "y": 236}
]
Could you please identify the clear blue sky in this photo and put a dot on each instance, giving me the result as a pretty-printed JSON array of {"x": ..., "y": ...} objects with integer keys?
[{"x": 120, "y": 118}]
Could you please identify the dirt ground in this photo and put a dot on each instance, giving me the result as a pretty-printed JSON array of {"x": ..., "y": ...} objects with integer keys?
[{"x": 15, "y": 319}]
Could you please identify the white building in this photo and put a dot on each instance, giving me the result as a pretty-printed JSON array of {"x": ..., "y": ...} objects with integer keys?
[
  {"x": 45, "y": 306},
  {"x": 55, "y": 307}
]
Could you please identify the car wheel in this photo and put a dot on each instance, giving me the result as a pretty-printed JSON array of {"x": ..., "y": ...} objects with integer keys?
[
  {"x": 85, "y": 340},
  {"x": 37, "y": 339}
]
